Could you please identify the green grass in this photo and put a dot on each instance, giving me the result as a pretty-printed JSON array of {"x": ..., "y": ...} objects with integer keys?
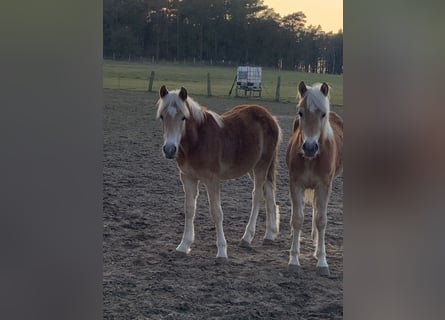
[{"x": 134, "y": 76}]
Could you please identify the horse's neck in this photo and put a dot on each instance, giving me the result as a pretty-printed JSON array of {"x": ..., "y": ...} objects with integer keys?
[{"x": 191, "y": 137}]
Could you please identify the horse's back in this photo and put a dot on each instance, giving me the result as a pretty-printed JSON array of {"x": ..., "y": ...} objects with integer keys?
[
  {"x": 251, "y": 111},
  {"x": 244, "y": 117}
]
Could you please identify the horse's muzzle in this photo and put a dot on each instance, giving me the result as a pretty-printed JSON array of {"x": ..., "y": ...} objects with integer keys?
[
  {"x": 169, "y": 151},
  {"x": 310, "y": 149}
]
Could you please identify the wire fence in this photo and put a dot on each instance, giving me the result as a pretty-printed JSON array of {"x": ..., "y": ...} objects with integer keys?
[{"x": 276, "y": 85}]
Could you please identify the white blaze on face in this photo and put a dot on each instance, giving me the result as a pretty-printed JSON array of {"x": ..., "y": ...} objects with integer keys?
[
  {"x": 312, "y": 139},
  {"x": 172, "y": 111},
  {"x": 311, "y": 126},
  {"x": 173, "y": 126}
]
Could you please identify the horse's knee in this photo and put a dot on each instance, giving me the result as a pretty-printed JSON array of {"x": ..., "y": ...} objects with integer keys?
[
  {"x": 296, "y": 221},
  {"x": 321, "y": 220}
]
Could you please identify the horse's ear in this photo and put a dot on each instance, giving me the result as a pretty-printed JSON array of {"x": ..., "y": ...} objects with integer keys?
[
  {"x": 302, "y": 88},
  {"x": 325, "y": 89},
  {"x": 163, "y": 91},
  {"x": 183, "y": 93}
]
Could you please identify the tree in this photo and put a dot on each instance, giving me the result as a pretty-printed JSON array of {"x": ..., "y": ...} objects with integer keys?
[
  {"x": 218, "y": 31},
  {"x": 124, "y": 24}
]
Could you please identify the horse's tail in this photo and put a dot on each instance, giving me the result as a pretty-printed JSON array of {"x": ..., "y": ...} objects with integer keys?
[{"x": 273, "y": 167}]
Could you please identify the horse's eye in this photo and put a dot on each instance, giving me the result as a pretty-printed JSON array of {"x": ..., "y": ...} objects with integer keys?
[
  {"x": 323, "y": 115},
  {"x": 183, "y": 118},
  {"x": 300, "y": 113},
  {"x": 161, "y": 117}
]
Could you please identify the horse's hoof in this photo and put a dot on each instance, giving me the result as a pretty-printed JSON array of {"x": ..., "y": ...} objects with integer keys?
[
  {"x": 244, "y": 244},
  {"x": 323, "y": 271},
  {"x": 267, "y": 242},
  {"x": 180, "y": 254},
  {"x": 293, "y": 268},
  {"x": 221, "y": 260}
]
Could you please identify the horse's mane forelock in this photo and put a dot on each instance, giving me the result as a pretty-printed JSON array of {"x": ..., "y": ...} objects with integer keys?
[
  {"x": 172, "y": 98},
  {"x": 190, "y": 108},
  {"x": 315, "y": 99}
]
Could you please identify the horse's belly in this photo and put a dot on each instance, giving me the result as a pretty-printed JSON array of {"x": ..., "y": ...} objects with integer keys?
[
  {"x": 233, "y": 172},
  {"x": 238, "y": 165}
]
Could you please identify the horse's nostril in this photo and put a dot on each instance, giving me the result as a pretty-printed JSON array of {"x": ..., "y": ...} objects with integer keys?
[
  {"x": 310, "y": 148},
  {"x": 169, "y": 150}
]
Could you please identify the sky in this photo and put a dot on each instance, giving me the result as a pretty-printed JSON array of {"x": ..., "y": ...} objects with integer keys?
[{"x": 327, "y": 13}]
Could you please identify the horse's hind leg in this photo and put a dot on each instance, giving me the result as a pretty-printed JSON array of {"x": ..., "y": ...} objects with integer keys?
[
  {"x": 257, "y": 196},
  {"x": 272, "y": 213},
  {"x": 191, "y": 194},
  {"x": 322, "y": 196}
]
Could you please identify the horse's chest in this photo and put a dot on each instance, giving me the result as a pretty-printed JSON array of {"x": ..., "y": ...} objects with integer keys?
[
  {"x": 311, "y": 173},
  {"x": 196, "y": 169}
]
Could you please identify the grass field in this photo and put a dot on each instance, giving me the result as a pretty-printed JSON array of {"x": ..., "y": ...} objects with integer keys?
[{"x": 134, "y": 76}]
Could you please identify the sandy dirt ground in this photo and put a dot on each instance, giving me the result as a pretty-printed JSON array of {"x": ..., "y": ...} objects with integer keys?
[{"x": 143, "y": 277}]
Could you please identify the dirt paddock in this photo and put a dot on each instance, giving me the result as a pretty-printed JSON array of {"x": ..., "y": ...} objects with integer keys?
[{"x": 143, "y": 277}]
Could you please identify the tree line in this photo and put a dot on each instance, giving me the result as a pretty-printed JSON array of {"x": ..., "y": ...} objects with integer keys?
[{"x": 237, "y": 32}]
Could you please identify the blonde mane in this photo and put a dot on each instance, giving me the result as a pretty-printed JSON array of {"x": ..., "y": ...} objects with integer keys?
[
  {"x": 189, "y": 108},
  {"x": 315, "y": 99}
]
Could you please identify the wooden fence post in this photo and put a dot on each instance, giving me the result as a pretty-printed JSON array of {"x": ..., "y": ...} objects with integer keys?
[
  {"x": 209, "y": 89},
  {"x": 277, "y": 91},
  {"x": 150, "y": 81}
]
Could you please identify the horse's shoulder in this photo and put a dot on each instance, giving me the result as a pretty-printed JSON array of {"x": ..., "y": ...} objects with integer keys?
[{"x": 335, "y": 119}]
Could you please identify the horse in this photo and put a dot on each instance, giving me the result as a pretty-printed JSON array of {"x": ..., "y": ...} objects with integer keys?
[
  {"x": 210, "y": 148},
  {"x": 314, "y": 158}
]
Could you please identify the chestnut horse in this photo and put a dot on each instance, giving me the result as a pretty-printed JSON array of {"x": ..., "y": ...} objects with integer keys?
[
  {"x": 314, "y": 159},
  {"x": 211, "y": 148}
]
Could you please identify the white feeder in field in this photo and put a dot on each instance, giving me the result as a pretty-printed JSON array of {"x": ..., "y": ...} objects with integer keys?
[{"x": 248, "y": 79}]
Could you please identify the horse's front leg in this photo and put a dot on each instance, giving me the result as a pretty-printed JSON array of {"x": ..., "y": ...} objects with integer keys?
[
  {"x": 322, "y": 194},
  {"x": 191, "y": 195},
  {"x": 297, "y": 219},
  {"x": 213, "y": 192}
]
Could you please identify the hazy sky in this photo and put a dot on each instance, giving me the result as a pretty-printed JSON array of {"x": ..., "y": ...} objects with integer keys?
[{"x": 327, "y": 13}]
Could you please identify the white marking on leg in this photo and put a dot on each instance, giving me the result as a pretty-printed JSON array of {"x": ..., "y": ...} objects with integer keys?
[
  {"x": 295, "y": 248},
  {"x": 191, "y": 195},
  {"x": 213, "y": 191},
  {"x": 321, "y": 249},
  {"x": 297, "y": 219},
  {"x": 187, "y": 237},
  {"x": 257, "y": 195},
  {"x": 322, "y": 197},
  {"x": 314, "y": 229},
  {"x": 272, "y": 212}
]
